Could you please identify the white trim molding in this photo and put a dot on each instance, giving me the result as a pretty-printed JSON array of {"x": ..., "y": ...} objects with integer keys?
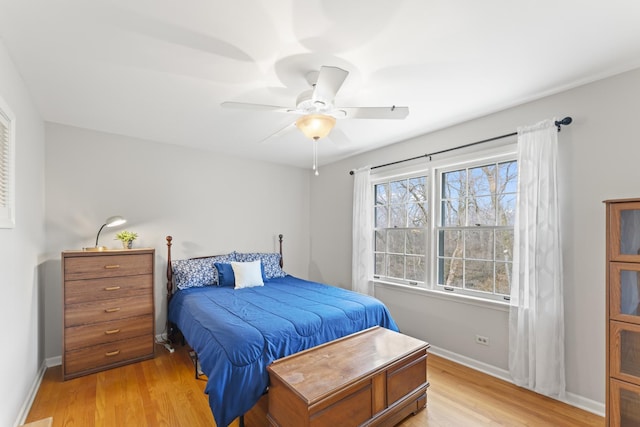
[{"x": 31, "y": 396}]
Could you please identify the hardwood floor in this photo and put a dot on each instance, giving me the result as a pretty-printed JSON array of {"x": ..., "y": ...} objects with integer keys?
[
  {"x": 163, "y": 392},
  {"x": 460, "y": 396}
]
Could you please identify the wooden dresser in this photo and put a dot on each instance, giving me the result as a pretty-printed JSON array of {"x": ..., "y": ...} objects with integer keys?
[
  {"x": 623, "y": 312},
  {"x": 108, "y": 309},
  {"x": 374, "y": 377}
]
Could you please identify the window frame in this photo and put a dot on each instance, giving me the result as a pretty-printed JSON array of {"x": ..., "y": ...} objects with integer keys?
[
  {"x": 466, "y": 228},
  {"x": 433, "y": 170},
  {"x": 411, "y": 282},
  {"x": 7, "y": 166}
]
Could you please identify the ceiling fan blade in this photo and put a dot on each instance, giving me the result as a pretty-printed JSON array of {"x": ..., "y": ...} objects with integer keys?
[
  {"x": 339, "y": 138},
  {"x": 393, "y": 112},
  {"x": 288, "y": 128},
  {"x": 256, "y": 107},
  {"x": 329, "y": 81}
]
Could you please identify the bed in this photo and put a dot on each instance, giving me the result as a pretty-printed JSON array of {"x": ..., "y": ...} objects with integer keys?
[{"x": 237, "y": 332}]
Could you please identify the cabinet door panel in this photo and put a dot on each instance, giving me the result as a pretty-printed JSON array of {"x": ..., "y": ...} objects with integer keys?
[
  {"x": 624, "y": 292},
  {"x": 624, "y": 351},
  {"x": 625, "y": 404},
  {"x": 624, "y": 234}
]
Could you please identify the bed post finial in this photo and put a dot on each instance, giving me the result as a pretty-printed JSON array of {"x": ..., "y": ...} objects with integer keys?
[
  {"x": 280, "y": 240},
  {"x": 170, "y": 330},
  {"x": 169, "y": 270}
]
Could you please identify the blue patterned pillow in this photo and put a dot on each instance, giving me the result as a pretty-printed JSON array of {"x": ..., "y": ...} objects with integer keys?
[
  {"x": 270, "y": 263},
  {"x": 192, "y": 273}
]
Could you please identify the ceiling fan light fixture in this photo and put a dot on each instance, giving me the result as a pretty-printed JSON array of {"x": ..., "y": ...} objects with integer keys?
[{"x": 315, "y": 126}]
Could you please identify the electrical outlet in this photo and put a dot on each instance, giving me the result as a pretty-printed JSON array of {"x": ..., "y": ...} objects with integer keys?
[{"x": 482, "y": 340}]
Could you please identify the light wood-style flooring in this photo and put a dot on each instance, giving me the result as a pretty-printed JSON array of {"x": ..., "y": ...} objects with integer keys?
[{"x": 164, "y": 392}]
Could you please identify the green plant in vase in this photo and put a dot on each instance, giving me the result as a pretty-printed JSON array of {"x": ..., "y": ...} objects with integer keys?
[{"x": 127, "y": 238}]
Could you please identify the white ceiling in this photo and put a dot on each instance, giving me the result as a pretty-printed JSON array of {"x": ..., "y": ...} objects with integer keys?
[{"x": 159, "y": 69}]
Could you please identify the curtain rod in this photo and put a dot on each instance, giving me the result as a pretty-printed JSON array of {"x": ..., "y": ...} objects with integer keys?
[{"x": 564, "y": 122}]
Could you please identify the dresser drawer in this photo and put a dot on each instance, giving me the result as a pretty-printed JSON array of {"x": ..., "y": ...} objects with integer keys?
[
  {"x": 101, "y": 356},
  {"x": 105, "y": 332},
  {"x": 90, "y": 267},
  {"x": 107, "y": 310},
  {"x": 77, "y": 291}
]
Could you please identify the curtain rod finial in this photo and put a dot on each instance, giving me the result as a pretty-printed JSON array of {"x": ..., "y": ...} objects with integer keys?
[{"x": 564, "y": 122}]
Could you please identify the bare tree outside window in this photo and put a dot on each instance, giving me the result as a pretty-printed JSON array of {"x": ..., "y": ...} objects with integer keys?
[
  {"x": 475, "y": 236},
  {"x": 401, "y": 219}
]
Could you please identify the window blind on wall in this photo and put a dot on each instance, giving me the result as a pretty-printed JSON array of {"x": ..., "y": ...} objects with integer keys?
[{"x": 6, "y": 171}]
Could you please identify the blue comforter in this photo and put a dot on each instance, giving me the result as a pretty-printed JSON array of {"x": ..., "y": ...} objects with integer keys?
[{"x": 238, "y": 333}]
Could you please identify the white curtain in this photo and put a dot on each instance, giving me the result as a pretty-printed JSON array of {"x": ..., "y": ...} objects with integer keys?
[
  {"x": 536, "y": 317},
  {"x": 362, "y": 252}
]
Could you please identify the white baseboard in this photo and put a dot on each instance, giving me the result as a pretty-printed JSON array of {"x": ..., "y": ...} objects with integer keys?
[
  {"x": 572, "y": 399},
  {"x": 53, "y": 361},
  {"x": 33, "y": 391},
  {"x": 584, "y": 403}
]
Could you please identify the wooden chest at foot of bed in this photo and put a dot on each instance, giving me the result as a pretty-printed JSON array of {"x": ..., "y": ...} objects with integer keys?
[
  {"x": 108, "y": 309},
  {"x": 375, "y": 377}
]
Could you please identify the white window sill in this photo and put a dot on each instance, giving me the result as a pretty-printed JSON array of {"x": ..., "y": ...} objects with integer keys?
[{"x": 444, "y": 295}]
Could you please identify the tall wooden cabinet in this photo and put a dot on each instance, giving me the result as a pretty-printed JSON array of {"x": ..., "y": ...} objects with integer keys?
[
  {"x": 623, "y": 312},
  {"x": 108, "y": 309}
]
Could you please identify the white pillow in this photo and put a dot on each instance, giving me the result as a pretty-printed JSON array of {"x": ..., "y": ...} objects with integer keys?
[{"x": 248, "y": 274}]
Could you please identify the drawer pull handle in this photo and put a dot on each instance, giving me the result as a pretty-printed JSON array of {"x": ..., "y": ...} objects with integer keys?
[
  {"x": 112, "y": 288},
  {"x": 112, "y": 353},
  {"x": 111, "y": 310},
  {"x": 112, "y": 266},
  {"x": 112, "y": 331}
]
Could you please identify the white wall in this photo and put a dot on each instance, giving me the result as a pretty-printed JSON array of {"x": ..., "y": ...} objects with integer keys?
[
  {"x": 20, "y": 252},
  {"x": 599, "y": 156},
  {"x": 209, "y": 203}
]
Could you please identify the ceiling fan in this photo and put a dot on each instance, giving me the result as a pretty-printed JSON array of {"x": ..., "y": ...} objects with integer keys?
[{"x": 317, "y": 110}]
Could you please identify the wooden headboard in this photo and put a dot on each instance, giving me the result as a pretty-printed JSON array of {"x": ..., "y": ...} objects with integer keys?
[{"x": 170, "y": 285}]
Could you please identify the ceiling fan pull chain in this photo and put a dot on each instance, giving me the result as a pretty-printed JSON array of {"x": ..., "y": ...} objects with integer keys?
[{"x": 315, "y": 156}]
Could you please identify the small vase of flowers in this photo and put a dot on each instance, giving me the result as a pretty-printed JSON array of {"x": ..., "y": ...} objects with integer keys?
[{"x": 127, "y": 238}]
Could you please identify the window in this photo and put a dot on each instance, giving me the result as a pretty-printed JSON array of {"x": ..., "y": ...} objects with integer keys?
[
  {"x": 449, "y": 227},
  {"x": 7, "y": 214},
  {"x": 401, "y": 213},
  {"x": 475, "y": 232}
]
